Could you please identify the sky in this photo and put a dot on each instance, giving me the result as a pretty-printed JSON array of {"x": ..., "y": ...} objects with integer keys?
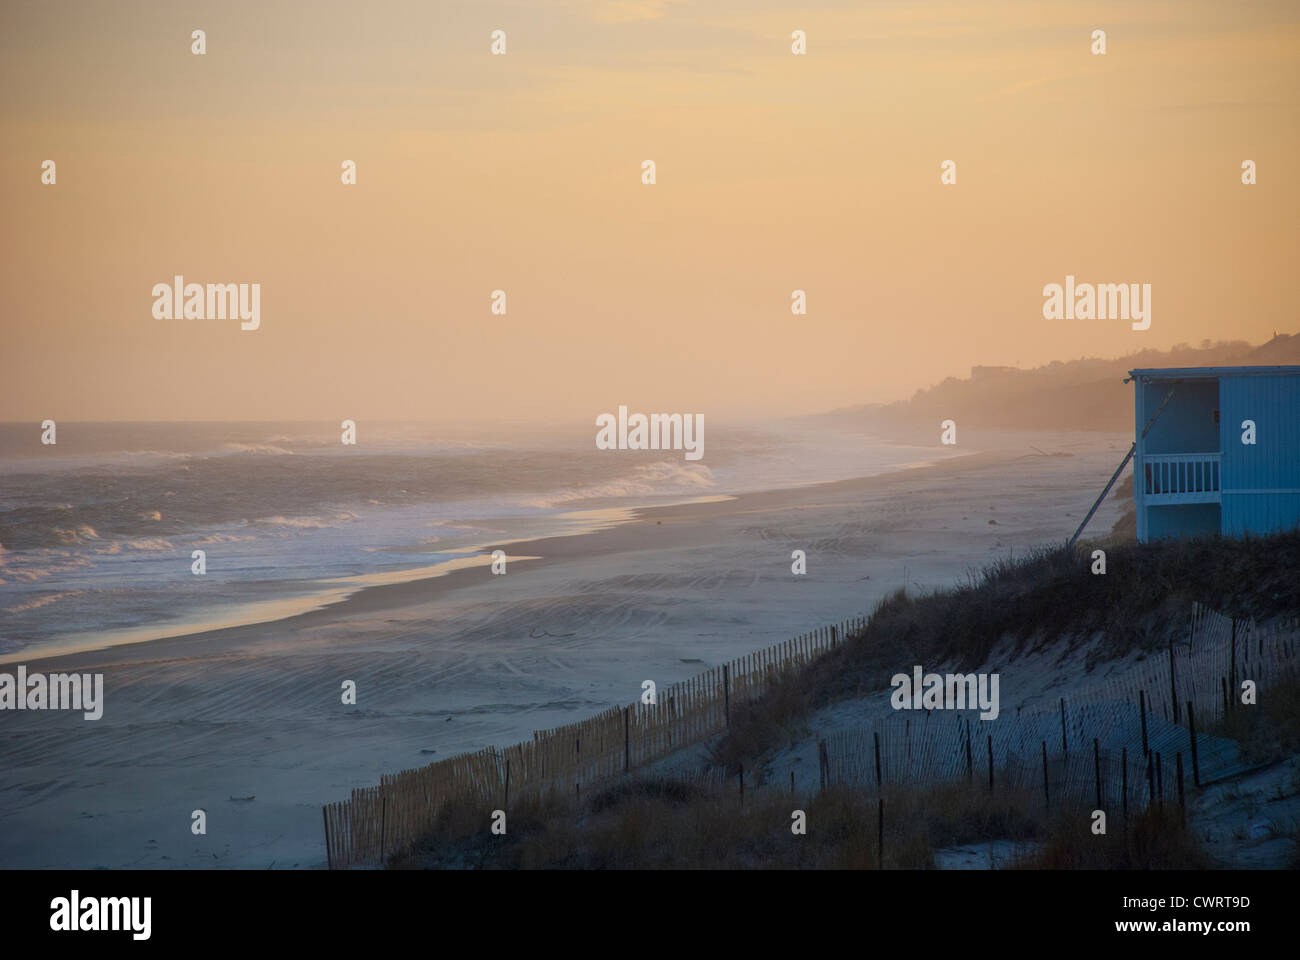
[{"x": 523, "y": 172}]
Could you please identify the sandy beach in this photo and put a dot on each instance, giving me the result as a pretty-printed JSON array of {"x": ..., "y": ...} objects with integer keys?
[{"x": 247, "y": 723}]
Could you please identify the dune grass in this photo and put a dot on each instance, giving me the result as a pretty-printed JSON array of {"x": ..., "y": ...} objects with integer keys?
[
  {"x": 668, "y": 823},
  {"x": 1269, "y": 730},
  {"x": 1154, "y": 839},
  {"x": 1042, "y": 597}
]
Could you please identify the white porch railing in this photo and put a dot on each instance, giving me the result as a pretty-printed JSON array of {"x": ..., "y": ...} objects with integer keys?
[{"x": 1180, "y": 478}]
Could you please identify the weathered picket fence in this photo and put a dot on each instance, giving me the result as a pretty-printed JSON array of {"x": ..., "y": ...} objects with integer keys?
[
  {"x": 1116, "y": 743},
  {"x": 378, "y": 822}
]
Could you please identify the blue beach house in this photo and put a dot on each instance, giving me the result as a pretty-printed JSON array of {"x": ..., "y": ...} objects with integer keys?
[{"x": 1217, "y": 451}]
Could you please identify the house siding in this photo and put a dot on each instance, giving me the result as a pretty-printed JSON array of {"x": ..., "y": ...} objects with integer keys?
[{"x": 1260, "y": 481}]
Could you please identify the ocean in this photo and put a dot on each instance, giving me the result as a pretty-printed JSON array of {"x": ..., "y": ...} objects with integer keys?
[{"x": 98, "y": 531}]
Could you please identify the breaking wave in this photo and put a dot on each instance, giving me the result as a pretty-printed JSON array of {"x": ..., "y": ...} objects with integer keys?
[
  {"x": 660, "y": 478},
  {"x": 306, "y": 523}
]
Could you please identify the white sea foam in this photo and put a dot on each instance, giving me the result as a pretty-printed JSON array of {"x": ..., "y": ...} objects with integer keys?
[
  {"x": 305, "y": 523},
  {"x": 268, "y": 449},
  {"x": 661, "y": 478},
  {"x": 35, "y": 603},
  {"x": 150, "y": 543}
]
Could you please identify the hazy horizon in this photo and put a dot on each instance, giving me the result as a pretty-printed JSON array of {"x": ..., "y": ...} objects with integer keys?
[{"x": 522, "y": 172}]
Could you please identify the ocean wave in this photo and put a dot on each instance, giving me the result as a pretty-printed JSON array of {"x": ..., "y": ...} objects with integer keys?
[
  {"x": 35, "y": 603},
  {"x": 163, "y": 455},
  {"x": 661, "y": 478},
  {"x": 150, "y": 543},
  {"x": 268, "y": 449},
  {"x": 305, "y": 523},
  {"x": 75, "y": 536},
  {"x": 221, "y": 538},
  {"x": 31, "y": 569}
]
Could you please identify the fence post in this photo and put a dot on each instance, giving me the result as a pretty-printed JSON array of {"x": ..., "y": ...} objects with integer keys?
[
  {"x": 1232, "y": 663},
  {"x": 383, "y": 824},
  {"x": 1151, "y": 782},
  {"x": 970, "y": 767},
  {"x": 1124, "y": 781},
  {"x": 1173, "y": 686},
  {"x": 627, "y": 743},
  {"x": 1047, "y": 800},
  {"x": 726, "y": 693},
  {"x": 1142, "y": 707},
  {"x": 1096, "y": 770},
  {"x": 1191, "y": 733},
  {"x": 880, "y": 833},
  {"x": 1182, "y": 805},
  {"x": 506, "y": 804},
  {"x": 329, "y": 861},
  {"x": 876, "y": 735}
]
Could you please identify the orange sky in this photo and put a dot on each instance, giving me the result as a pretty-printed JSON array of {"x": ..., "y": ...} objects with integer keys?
[{"x": 522, "y": 172}]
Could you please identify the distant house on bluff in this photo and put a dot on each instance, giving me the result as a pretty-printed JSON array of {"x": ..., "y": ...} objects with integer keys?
[
  {"x": 1218, "y": 451},
  {"x": 987, "y": 373}
]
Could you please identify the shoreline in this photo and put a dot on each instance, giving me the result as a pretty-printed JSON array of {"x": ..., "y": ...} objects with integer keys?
[
  {"x": 538, "y": 551},
  {"x": 453, "y": 664}
]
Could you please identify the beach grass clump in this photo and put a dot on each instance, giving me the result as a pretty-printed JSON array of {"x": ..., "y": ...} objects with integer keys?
[
  {"x": 773, "y": 721},
  {"x": 1051, "y": 593},
  {"x": 1152, "y": 839},
  {"x": 670, "y": 823},
  {"x": 1268, "y": 730},
  {"x": 955, "y": 813}
]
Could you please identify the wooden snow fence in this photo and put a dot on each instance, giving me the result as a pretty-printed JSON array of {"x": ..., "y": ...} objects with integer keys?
[
  {"x": 1114, "y": 745},
  {"x": 376, "y": 823}
]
